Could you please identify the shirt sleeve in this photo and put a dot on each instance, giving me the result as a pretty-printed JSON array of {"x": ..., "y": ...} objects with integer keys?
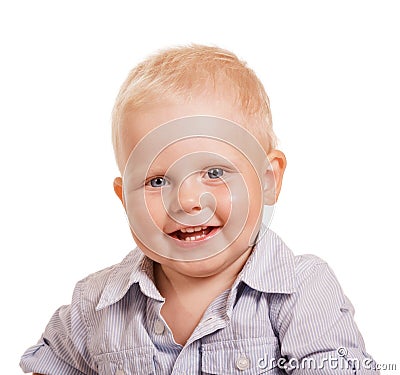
[
  {"x": 62, "y": 348},
  {"x": 316, "y": 328}
]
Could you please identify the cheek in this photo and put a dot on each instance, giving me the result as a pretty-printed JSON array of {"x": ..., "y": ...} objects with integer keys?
[
  {"x": 155, "y": 208},
  {"x": 248, "y": 198},
  {"x": 223, "y": 197},
  {"x": 255, "y": 192}
]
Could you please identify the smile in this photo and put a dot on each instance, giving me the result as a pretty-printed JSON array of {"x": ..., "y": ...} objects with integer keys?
[{"x": 192, "y": 234}]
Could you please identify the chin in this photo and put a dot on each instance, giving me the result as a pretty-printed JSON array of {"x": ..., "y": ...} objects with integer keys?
[{"x": 207, "y": 267}]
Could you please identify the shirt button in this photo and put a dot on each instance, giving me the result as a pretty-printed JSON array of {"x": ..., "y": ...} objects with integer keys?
[
  {"x": 242, "y": 363},
  {"x": 159, "y": 327}
]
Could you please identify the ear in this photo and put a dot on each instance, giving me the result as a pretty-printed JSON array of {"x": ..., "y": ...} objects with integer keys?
[
  {"x": 118, "y": 188},
  {"x": 273, "y": 176}
]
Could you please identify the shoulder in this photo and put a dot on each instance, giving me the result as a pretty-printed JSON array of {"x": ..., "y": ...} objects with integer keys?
[
  {"x": 307, "y": 266},
  {"x": 289, "y": 275},
  {"x": 274, "y": 268},
  {"x": 314, "y": 282},
  {"x": 304, "y": 266}
]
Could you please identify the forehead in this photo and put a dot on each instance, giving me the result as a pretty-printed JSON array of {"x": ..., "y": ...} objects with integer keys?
[
  {"x": 198, "y": 153},
  {"x": 135, "y": 125}
]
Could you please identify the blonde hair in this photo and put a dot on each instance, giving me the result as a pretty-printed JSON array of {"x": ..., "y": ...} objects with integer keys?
[{"x": 182, "y": 71}]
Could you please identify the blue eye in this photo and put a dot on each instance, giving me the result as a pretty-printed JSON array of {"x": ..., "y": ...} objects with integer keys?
[
  {"x": 158, "y": 182},
  {"x": 214, "y": 173}
]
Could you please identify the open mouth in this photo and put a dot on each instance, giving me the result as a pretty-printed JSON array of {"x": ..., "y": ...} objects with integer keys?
[{"x": 194, "y": 233}]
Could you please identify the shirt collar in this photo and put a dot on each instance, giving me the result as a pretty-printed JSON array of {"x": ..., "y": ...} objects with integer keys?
[
  {"x": 135, "y": 268},
  {"x": 271, "y": 266},
  {"x": 269, "y": 269}
]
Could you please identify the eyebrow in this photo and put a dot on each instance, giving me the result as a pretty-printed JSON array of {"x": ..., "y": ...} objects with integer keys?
[{"x": 155, "y": 171}]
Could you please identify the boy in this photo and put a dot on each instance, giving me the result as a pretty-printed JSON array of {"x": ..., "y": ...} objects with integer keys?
[{"x": 209, "y": 290}]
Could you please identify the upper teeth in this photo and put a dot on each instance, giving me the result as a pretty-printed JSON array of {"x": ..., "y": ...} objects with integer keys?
[{"x": 192, "y": 229}]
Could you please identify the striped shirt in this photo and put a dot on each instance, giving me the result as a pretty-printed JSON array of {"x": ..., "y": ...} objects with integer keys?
[{"x": 283, "y": 314}]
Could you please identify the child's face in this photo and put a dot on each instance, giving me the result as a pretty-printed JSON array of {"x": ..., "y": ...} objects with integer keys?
[{"x": 194, "y": 203}]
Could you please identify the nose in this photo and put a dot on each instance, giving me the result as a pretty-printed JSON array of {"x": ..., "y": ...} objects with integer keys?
[{"x": 189, "y": 195}]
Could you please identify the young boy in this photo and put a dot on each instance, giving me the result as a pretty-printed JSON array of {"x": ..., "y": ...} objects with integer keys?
[{"x": 209, "y": 290}]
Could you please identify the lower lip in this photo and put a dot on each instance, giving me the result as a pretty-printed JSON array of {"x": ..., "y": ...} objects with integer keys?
[{"x": 192, "y": 243}]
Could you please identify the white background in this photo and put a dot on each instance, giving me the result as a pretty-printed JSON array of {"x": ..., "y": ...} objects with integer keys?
[{"x": 331, "y": 70}]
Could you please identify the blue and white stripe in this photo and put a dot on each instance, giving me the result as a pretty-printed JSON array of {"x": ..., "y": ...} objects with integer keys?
[{"x": 281, "y": 307}]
